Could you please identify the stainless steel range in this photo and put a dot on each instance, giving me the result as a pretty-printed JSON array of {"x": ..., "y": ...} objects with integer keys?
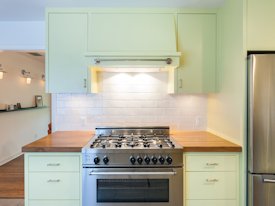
[{"x": 132, "y": 166}]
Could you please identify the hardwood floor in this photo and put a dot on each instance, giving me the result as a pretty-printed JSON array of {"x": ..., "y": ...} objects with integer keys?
[{"x": 12, "y": 179}]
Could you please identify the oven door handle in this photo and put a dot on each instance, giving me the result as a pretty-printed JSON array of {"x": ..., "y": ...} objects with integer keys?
[{"x": 133, "y": 173}]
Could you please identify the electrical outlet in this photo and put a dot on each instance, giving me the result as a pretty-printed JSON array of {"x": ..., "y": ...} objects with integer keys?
[
  {"x": 83, "y": 120},
  {"x": 198, "y": 121}
]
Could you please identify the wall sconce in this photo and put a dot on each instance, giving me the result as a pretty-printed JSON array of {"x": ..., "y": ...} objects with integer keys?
[
  {"x": 43, "y": 77},
  {"x": 2, "y": 71},
  {"x": 26, "y": 75}
]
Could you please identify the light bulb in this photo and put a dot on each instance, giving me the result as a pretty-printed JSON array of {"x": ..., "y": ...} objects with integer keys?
[
  {"x": 1, "y": 74},
  {"x": 28, "y": 80}
]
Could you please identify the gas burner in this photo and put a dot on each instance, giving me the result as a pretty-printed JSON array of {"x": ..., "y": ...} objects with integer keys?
[
  {"x": 146, "y": 144},
  {"x": 105, "y": 143},
  {"x": 118, "y": 144},
  {"x": 132, "y": 139},
  {"x": 132, "y": 143},
  {"x": 120, "y": 137}
]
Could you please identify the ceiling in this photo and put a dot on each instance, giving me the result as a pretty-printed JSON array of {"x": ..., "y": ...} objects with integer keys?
[{"x": 33, "y": 10}]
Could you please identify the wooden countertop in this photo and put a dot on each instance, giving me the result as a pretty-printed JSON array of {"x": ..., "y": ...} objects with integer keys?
[
  {"x": 67, "y": 141},
  {"x": 73, "y": 141},
  {"x": 201, "y": 141}
]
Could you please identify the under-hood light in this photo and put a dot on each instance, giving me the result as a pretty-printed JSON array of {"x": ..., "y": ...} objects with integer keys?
[{"x": 131, "y": 62}]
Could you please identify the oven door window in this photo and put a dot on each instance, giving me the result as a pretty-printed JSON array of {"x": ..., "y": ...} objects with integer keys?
[{"x": 132, "y": 190}]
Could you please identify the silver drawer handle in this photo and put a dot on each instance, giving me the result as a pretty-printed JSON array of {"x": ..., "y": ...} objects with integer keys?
[
  {"x": 133, "y": 173},
  {"x": 212, "y": 180},
  {"x": 53, "y": 181},
  {"x": 53, "y": 164},
  {"x": 212, "y": 164},
  {"x": 269, "y": 180}
]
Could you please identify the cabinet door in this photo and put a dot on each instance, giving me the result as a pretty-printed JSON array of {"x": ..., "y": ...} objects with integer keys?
[
  {"x": 132, "y": 32},
  {"x": 67, "y": 43},
  {"x": 211, "y": 203},
  {"x": 207, "y": 163},
  {"x": 54, "y": 186},
  {"x": 197, "y": 43},
  {"x": 211, "y": 185},
  {"x": 51, "y": 163},
  {"x": 54, "y": 203},
  {"x": 260, "y": 25}
]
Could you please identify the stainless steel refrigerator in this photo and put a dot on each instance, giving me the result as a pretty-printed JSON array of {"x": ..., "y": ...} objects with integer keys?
[{"x": 261, "y": 130}]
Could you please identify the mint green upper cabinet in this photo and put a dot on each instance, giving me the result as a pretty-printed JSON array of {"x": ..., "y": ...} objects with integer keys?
[
  {"x": 67, "y": 43},
  {"x": 197, "y": 42},
  {"x": 260, "y": 25},
  {"x": 132, "y": 32}
]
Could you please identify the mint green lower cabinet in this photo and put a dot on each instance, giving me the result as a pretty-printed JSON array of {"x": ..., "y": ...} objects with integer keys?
[
  {"x": 211, "y": 185},
  {"x": 211, "y": 203},
  {"x": 56, "y": 185},
  {"x": 54, "y": 203},
  {"x": 211, "y": 179},
  {"x": 53, "y": 179},
  {"x": 53, "y": 163}
]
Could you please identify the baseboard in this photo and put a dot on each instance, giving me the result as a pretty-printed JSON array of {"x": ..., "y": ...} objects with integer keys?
[
  {"x": 12, "y": 202},
  {"x": 4, "y": 161}
]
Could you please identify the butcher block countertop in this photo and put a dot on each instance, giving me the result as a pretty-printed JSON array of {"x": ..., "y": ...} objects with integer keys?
[
  {"x": 69, "y": 141},
  {"x": 73, "y": 141},
  {"x": 204, "y": 142}
]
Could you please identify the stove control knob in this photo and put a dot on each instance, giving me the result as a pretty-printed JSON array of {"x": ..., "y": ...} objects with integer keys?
[
  {"x": 105, "y": 160},
  {"x": 169, "y": 160},
  {"x": 139, "y": 160},
  {"x": 154, "y": 160},
  {"x": 147, "y": 160},
  {"x": 161, "y": 160},
  {"x": 132, "y": 160},
  {"x": 96, "y": 160}
]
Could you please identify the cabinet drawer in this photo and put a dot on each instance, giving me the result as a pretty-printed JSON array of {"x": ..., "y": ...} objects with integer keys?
[
  {"x": 211, "y": 203},
  {"x": 211, "y": 163},
  {"x": 54, "y": 185},
  {"x": 54, "y": 163},
  {"x": 211, "y": 185},
  {"x": 54, "y": 203}
]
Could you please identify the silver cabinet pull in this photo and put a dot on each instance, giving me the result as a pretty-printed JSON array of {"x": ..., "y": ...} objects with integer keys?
[
  {"x": 54, "y": 181},
  {"x": 269, "y": 181},
  {"x": 53, "y": 164},
  {"x": 168, "y": 61},
  {"x": 133, "y": 173},
  {"x": 212, "y": 180},
  {"x": 85, "y": 83},
  {"x": 212, "y": 164}
]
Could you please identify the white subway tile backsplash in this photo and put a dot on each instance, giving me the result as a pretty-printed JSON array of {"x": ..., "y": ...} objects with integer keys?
[{"x": 130, "y": 99}]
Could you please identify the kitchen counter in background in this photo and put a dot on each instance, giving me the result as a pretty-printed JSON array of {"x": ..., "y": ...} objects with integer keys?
[{"x": 73, "y": 141}]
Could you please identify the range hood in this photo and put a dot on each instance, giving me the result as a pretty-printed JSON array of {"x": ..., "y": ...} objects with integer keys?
[{"x": 113, "y": 62}]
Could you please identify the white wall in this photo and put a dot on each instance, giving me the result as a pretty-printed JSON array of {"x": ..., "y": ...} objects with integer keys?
[
  {"x": 130, "y": 99},
  {"x": 226, "y": 110},
  {"x": 21, "y": 127},
  {"x": 22, "y": 35}
]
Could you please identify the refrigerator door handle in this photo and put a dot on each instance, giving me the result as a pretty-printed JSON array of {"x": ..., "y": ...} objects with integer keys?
[{"x": 268, "y": 180}]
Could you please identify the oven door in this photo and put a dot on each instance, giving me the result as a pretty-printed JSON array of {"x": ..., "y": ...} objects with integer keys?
[{"x": 132, "y": 187}]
